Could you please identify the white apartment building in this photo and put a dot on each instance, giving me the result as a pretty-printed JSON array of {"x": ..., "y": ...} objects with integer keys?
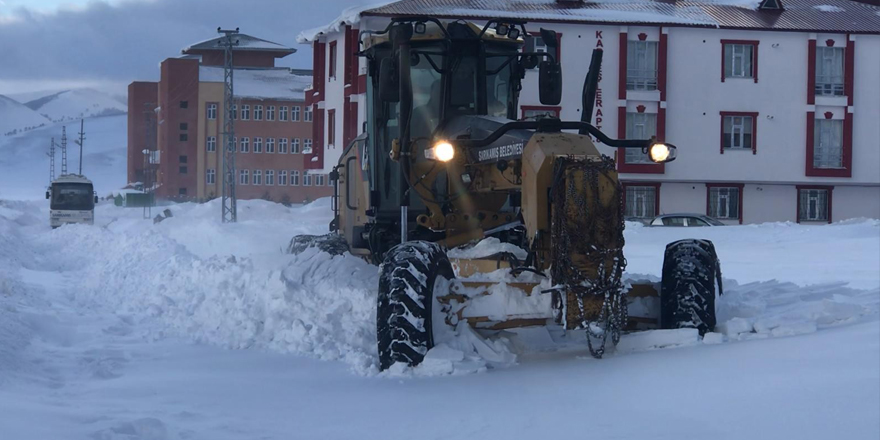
[{"x": 774, "y": 105}]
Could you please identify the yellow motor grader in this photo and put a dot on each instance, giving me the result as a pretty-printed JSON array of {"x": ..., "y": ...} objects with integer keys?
[{"x": 476, "y": 217}]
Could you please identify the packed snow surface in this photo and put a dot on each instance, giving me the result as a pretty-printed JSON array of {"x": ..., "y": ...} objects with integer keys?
[{"x": 194, "y": 329}]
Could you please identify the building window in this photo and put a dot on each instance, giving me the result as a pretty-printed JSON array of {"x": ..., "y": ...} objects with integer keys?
[
  {"x": 181, "y": 191},
  {"x": 294, "y": 145},
  {"x": 332, "y": 69},
  {"x": 331, "y": 127},
  {"x": 641, "y": 201},
  {"x": 828, "y": 143},
  {"x": 294, "y": 113},
  {"x": 724, "y": 202},
  {"x": 258, "y": 112},
  {"x": 244, "y": 177},
  {"x": 258, "y": 177},
  {"x": 258, "y": 144},
  {"x": 319, "y": 180},
  {"x": 307, "y": 179},
  {"x": 282, "y": 113},
  {"x": 307, "y": 146},
  {"x": 282, "y": 178},
  {"x": 270, "y": 177},
  {"x": 233, "y": 112},
  {"x": 641, "y": 65},
  {"x": 210, "y": 176},
  {"x": 294, "y": 178},
  {"x": 270, "y": 145},
  {"x": 183, "y": 137},
  {"x": 829, "y": 71},
  {"x": 329, "y": 182},
  {"x": 282, "y": 145},
  {"x": 212, "y": 111},
  {"x": 183, "y": 159},
  {"x": 212, "y": 144},
  {"x": 245, "y": 145},
  {"x": 245, "y": 112},
  {"x": 534, "y": 43},
  {"x": 738, "y": 131},
  {"x": 307, "y": 114},
  {"x": 182, "y": 169},
  {"x": 538, "y": 112},
  {"x": 639, "y": 126},
  {"x": 740, "y": 59},
  {"x": 270, "y": 113},
  {"x": 814, "y": 205},
  {"x": 184, "y": 126},
  {"x": 184, "y": 104}
]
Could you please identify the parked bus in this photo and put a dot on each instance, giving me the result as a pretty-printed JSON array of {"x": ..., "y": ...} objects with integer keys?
[{"x": 72, "y": 200}]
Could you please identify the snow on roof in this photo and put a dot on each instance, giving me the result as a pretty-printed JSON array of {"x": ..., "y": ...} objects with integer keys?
[
  {"x": 349, "y": 16},
  {"x": 245, "y": 42},
  {"x": 742, "y": 14},
  {"x": 276, "y": 83},
  {"x": 71, "y": 178}
]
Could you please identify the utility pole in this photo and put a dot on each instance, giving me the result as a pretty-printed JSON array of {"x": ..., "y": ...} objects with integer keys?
[
  {"x": 82, "y": 137},
  {"x": 51, "y": 155},
  {"x": 230, "y": 212},
  {"x": 63, "y": 150}
]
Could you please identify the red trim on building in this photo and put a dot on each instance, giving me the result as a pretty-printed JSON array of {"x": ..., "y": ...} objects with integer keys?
[
  {"x": 362, "y": 84},
  {"x": 754, "y": 43},
  {"x": 754, "y": 116},
  {"x": 661, "y": 64},
  {"x": 726, "y": 185},
  {"x": 656, "y": 186},
  {"x": 797, "y": 213},
  {"x": 846, "y": 171},
  {"x": 318, "y": 59},
  {"x": 621, "y": 67},
  {"x": 849, "y": 69},
  {"x": 811, "y": 72},
  {"x": 639, "y": 168},
  {"x": 317, "y": 141},
  {"x": 524, "y": 108}
]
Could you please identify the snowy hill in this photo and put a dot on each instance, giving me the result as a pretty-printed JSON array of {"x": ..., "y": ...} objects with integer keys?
[
  {"x": 24, "y": 165},
  {"x": 69, "y": 105},
  {"x": 16, "y": 118}
]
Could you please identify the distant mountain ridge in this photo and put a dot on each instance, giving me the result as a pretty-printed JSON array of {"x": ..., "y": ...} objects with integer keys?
[
  {"x": 69, "y": 105},
  {"x": 16, "y": 118}
]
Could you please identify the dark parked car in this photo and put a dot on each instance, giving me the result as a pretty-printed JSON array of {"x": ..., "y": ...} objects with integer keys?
[{"x": 685, "y": 220}]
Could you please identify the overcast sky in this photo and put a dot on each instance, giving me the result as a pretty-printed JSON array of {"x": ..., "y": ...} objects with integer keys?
[{"x": 55, "y": 44}]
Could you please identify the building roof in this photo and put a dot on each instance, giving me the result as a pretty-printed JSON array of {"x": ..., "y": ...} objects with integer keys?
[
  {"x": 245, "y": 42},
  {"x": 274, "y": 83},
  {"x": 798, "y": 15}
]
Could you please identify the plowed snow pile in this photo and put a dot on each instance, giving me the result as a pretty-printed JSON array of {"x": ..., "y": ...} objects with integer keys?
[{"x": 231, "y": 284}]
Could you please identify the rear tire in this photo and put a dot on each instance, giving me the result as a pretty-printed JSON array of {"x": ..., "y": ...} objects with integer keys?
[
  {"x": 408, "y": 277},
  {"x": 687, "y": 296}
]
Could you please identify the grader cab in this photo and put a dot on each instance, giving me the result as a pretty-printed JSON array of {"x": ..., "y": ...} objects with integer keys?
[{"x": 480, "y": 218}]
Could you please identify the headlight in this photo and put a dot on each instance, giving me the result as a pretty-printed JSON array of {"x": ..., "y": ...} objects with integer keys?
[
  {"x": 442, "y": 151},
  {"x": 661, "y": 152}
]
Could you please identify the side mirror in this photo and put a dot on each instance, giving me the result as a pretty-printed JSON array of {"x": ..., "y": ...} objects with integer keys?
[
  {"x": 48, "y": 195},
  {"x": 550, "y": 39},
  {"x": 389, "y": 83},
  {"x": 550, "y": 82},
  {"x": 96, "y": 199}
]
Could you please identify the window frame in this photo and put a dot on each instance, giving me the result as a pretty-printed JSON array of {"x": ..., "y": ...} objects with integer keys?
[
  {"x": 332, "y": 52},
  {"x": 627, "y": 135},
  {"x": 294, "y": 178},
  {"x": 283, "y": 113},
  {"x": 257, "y": 178},
  {"x": 634, "y": 83},
  {"x": 754, "y": 44},
  {"x": 244, "y": 177},
  {"x": 331, "y": 128},
  {"x": 270, "y": 178},
  {"x": 294, "y": 113},
  {"x": 306, "y": 178},
  {"x": 833, "y": 85},
  {"x": 282, "y": 145},
  {"x": 258, "y": 144},
  {"x": 270, "y": 145},
  {"x": 258, "y": 112},
  {"x": 211, "y": 144},
  {"x": 244, "y": 145},
  {"x": 282, "y": 177},
  {"x": 829, "y": 205},
  {"x": 270, "y": 112},
  {"x": 308, "y": 114},
  {"x": 537, "y": 35},
  {"x": 294, "y": 146},
  {"x": 210, "y": 176},
  {"x": 754, "y": 116},
  {"x": 307, "y": 143},
  {"x": 817, "y": 140},
  {"x": 738, "y": 186},
  {"x": 636, "y": 183},
  {"x": 211, "y": 111},
  {"x": 245, "y": 112}
]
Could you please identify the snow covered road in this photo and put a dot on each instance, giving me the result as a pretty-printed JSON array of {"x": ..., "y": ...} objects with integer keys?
[{"x": 142, "y": 331}]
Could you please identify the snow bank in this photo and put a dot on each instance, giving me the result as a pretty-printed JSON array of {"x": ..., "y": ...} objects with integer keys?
[{"x": 829, "y": 8}]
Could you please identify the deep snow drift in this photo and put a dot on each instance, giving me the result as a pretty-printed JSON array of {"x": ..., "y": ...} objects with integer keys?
[{"x": 95, "y": 324}]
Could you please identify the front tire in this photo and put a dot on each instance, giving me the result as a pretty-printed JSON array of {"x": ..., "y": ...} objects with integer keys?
[
  {"x": 409, "y": 275},
  {"x": 687, "y": 296}
]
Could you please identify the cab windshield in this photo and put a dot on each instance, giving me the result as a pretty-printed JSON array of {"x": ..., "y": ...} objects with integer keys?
[{"x": 72, "y": 197}]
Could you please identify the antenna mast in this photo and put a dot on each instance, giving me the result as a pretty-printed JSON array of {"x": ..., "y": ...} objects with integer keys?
[
  {"x": 228, "y": 191},
  {"x": 63, "y": 150},
  {"x": 51, "y": 155}
]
